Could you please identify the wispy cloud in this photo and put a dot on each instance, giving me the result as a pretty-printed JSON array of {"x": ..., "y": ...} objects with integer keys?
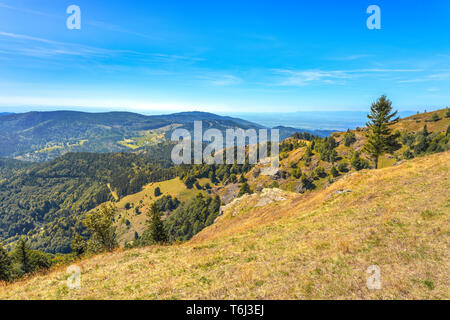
[
  {"x": 443, "y": 75},
  {"x": 41, "y": 47},
  {"x": 305, "y": 77},
  {"x": 25, "y": 10},
  {"x": 218, "y": 79},
  {"x": 352, "y": 57},
  {"x": 37, "y": 47}
]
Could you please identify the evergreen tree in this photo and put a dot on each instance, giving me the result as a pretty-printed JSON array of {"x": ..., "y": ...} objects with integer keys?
[
  {"x": 156, "y": 227},
  {"x": 5, "y": 265},
  {"x": 22, "y": 255},
  {"x": 157, "y": 192},
  {"x": 380, "y": 138},
  {"x": 245, "y": 188},
  {"x": 349, "y": 138}
]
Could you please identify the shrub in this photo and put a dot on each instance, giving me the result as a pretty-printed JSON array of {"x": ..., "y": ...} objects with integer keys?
[
  {"x": 349, "y": 138},
  {"x": 100, "y": 225},
  {"x": 319, "y": 172},
  {"x": 334, "y": 172},
  {"x": 435, "y": 117},
  {"x": 343, "y": 167},
  {"x": 408, "y": 154},
  {"x": 297, "y": 173},
  {"x": 358, "y": 163},
  {"x": 78, "y": 245}
]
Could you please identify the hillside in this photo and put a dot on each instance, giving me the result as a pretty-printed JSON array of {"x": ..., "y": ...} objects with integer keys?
[
  {"x": 46, "y": 200},
  {"x": 41, "y": 136},
  {"x": 313, "y": 245},
  {"x": 315, "y": 167}
]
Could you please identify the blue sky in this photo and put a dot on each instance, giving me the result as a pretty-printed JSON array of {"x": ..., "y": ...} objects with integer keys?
[{"x": 223, "y": 56}]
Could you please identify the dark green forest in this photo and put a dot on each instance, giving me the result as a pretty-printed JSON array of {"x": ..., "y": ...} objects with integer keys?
[{"x": 45, "y": 201}]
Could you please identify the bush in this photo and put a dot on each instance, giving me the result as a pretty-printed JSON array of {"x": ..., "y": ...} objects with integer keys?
[
  {"x": 349, "y": 138},
  {"x": 343, "y": 167},
  {"x": 319, "y": 172},
  {"x": 297, "y": 173},
  {"x": 435, "y": 117},
  {"x": 307, "y": 182},
  {"x": 78, "y": 245},
  {"x": 408, "y": 154},
  {"x": 100, "y": 225},
  {"x": 358, "y": 163},
  {"x": 157, "y": 192},
  {"x": 334, "y": 172}
]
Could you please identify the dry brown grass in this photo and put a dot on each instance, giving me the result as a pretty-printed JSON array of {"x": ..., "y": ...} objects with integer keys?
[{"x": 311, "y": 246}]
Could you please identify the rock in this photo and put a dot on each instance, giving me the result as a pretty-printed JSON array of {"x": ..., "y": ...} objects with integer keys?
[
  {"x": 338, "y": 192},
  {"x": 270, "y": 195}
]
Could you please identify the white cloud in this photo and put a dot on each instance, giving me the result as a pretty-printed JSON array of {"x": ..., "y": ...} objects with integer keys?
[{"x": 305, "y": 77}]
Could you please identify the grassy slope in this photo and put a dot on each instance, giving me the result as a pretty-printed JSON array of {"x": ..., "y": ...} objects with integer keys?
[
  {"x": 316, "y": 245},
  {"x": 143, "y": 199}
]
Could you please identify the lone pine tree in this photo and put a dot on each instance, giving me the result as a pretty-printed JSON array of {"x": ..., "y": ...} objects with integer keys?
[
  {"x": 156, "y": 227},
  {"x": 22, "y": 254},
  {"x": 380, "y": 138}
]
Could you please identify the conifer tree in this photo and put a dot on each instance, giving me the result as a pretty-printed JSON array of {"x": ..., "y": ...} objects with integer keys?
[
  {"x": 245, "y": 188},
  {"x": 5, "y": 265},
  {"x": 156, "y": 227},
  {"x": 380, "y": 138},
  {"x": 22, "y": 254}
]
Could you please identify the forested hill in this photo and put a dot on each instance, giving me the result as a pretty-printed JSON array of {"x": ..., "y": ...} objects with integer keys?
[
  {"x": 42, "y": 136},
  {"x": 45, "y": 200}
]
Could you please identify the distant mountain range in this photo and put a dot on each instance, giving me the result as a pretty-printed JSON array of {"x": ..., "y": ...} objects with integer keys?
[{"x": 41, "y": 136}]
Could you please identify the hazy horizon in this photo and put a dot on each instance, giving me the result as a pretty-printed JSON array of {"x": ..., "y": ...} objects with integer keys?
[{"x": 310, "y": 120}]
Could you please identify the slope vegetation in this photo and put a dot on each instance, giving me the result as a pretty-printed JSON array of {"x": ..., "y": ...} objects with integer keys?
[{"x": 282, "y": 245}]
